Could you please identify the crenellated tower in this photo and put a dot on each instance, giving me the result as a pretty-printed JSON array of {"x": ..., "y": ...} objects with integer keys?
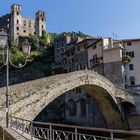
[
  {"x": 40, "y": 22},
  {"x": 16, "y": 21}
]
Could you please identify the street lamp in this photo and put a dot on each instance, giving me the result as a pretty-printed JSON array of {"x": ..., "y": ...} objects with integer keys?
[{"x": 6, "y": 53}]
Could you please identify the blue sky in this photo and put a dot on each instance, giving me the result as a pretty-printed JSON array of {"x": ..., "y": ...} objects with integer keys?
[{"x": 93, "y": 17}]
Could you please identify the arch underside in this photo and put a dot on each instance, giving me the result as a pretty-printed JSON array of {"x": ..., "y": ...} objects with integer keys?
[
  {"x": 106, "y": 104},
  {"x": 102, "y": 91}
]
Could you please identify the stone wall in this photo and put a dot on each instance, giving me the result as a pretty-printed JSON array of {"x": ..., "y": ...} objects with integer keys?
[
  {"x": 29, "y": 72},
  {"x": 10, "y": 134},
  {"x": 134, "y": 122},
  {"x": 58, "y": 111},
  {"x": 113, "y": 72}
]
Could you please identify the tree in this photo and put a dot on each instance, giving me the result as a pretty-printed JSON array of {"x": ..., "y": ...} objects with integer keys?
[
  {"x": 34, "y": 42},
  {"x": 44, "y": 39}
]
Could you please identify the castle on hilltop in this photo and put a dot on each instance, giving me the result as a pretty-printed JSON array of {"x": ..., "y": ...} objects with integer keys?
[{"x": 18, "y": 26}]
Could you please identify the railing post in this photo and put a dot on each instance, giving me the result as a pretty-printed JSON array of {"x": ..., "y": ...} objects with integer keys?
[
  {"x": 111, "y": 135},
  {"x": 16, "y": 124},
  {"x": 31, "y": 130},
  {"x": 50, "y": 132},
  {"x": 10, "y": 121},
  {"x": 23, "y": 126},
  {"x": 76, "y": 136}
]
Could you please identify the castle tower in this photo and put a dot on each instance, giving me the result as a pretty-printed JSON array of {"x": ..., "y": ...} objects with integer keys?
[
  {"x": 40, "y": 22},
  {"x": 15, "y": 22}
]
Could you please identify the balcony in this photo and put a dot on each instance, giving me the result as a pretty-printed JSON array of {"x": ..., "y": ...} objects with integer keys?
[{"x": 94, "y": 63}]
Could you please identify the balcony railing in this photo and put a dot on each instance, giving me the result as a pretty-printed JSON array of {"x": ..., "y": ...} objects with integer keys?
[
  {"x": 95, "y": 63},
  {"x": 50, "y": 131}
]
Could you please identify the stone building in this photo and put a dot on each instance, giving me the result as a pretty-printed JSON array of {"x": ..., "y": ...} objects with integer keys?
[
  {"x": 64, "y": 52},
  {"x": 105, "y": 57},
  {"x": 18, "y": 26},
  {"x": 132, "y": 67},
  {"x": 108, "y": 57}
]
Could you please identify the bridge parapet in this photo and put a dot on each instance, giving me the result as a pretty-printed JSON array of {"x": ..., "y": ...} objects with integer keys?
[{"x": 31, "y": 97}]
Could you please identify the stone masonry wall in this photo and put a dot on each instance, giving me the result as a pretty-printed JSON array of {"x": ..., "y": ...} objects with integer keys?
[
  {"x": 113, "y": 72},
  {"x": 27, "y": 73}
]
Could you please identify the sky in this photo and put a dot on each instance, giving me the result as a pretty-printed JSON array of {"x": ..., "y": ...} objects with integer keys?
[{"x": 119, "y": 19}]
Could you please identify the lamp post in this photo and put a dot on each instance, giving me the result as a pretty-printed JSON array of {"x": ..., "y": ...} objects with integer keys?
[{"x": 6, "y": 53}]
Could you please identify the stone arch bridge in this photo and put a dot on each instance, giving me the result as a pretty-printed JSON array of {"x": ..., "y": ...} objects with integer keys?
[{"x": 28, "y": 99}]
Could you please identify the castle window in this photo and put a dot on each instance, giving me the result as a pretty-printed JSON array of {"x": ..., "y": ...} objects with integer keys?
[
  {"x": 29, "y": 23},
  {"x": 24, "y": 31},
  {"x": 17, "y": 28},
  {"x": 17, "y": 21},
  {"x": 17, "y": 13},
  {"x": 42, "y": 19},
  {"x": 42, "y": 27}
]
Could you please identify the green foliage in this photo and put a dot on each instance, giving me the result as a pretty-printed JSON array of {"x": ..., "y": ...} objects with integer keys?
[
  {"x": 126, "y": 59},
  {"x": 44, "y": 39},
  {"x": 34, "y": 42},
  {"x": 80, "y": 34},
  {"x": 16, "y": 54}
]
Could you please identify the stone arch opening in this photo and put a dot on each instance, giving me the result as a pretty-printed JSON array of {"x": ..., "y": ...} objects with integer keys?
[
  {"x": 105, "y": 101},
  {"x": 48, "y": 89},
  {"x": 128, "y": 108}
]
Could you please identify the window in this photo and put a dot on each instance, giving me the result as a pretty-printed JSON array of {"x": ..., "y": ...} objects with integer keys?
[
  {"x": 131, "y": 54},
  {"x": 17, "y": 21},
  {"x": 24, "y": 31},
  {"x": 125, "y": 78},
  {"x": 78, "y": 48},
  {"x": 42, "y": 27},
  {"x": 129, "y": 43},
  {"x": 95, "y": 58},
  {"x": 131, "y": 67},
  {"x": 72, "y": 60},
  {"x": 42, "y": 19},
  {"x": 94, "y": 46},
  {"x": 72, "y": 108},
  {"x": 17, "y": 13},
  {"x": 132, "y": 83},
  {"x": 17, "y": 28},
  {"x": 70, "y": 69},
  {"x": 72, "y": 53},
  {"x": 82, "y": 107}
]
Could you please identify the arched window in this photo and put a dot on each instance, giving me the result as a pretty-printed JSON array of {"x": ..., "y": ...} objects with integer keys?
[
  {"x": 72, "y": 108},
  {"x": 83, "y": 107}
]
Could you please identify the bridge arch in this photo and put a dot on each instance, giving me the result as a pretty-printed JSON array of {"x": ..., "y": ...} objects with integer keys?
[{"x": 45, "y": 90}]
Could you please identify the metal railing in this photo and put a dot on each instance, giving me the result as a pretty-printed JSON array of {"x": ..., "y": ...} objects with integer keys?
[{"x": 51, "y": 131}]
